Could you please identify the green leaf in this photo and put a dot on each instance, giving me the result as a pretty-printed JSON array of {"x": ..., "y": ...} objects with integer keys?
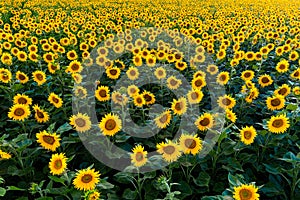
[
  {"x": 123, "y": 177},
  {"x": 44, "y": 198},
  {"x": 2, "y": 192},
  {"x": 129, "y": 194},
  {"x": 202, "y": 179},
  {"x": 64, "y": 128},
  {"x": 271, "y": 169},
  {"x": 292, "y": 107},
  {"x": 14, "y": 188},
  {"x": 57, "y": 179},
  {"x": 234, "y": 180},
  {"x": 105, "y": 185}
]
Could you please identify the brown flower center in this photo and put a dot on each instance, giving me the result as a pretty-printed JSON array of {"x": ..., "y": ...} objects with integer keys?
[
  {"x": 277, "y": 123},
  {"x": 22, "y": 100},
  {"x": 48, "y": 139},
  {"x": 265, "y": 80},
  {"x": 39, "y": 77},
  {"x": 163, "y": 119},
  {"x": 86, "y": 178},
  {"x": 40, "y": 114},
  {"x": 169, "y": 149},
  {"x": 190, "y": 143},
  {"x": 22, "y": 77},
  {"x": 113, "y": 72},
  {"x": 19, "y": 112},
  {"x": 139, "y": 156},
  {"x": 204, "y": 122},
  {"x": 194, "y": 95},
  {"x": 282, "y": 91},
  {"x": 245, "y": 194},
  {"x": 80, "y": 122},
  {"x": 58, "y": 164},
  {"x": 110, "y": 124},
  {"x": 275, "y": 102},
  {"x": 226, "y": 101},
  {"x": 247, "y": 135}
]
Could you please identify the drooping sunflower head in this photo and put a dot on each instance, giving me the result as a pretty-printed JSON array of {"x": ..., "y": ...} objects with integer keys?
[
  {"x": 48, "y": 141},
  {"x": 86, "y": 179},
  {"x": 41, "y": 116},
  {"x": 190, "y": 144},
  {"x": 230, "y": 115}
]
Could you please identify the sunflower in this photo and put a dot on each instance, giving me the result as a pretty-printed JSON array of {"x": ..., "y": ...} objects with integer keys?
[
  {"x": 190, "y": 144},
  {"x": 81, "y": 122},
  {"x": 198, "y": 83},
  {"x": 283, "y": 90},
  {"x": 223, "y": 78},
  {"x": 55, "y": 100},
  {"x": 250, "y": 56},
  {"x": 204, "y": 122},
  {"x": 41, "y": 116},
  {"x": 247, "y": 135},
  {"x": 173, "y": 83},
  {"x": 139, "y": 100},
  {"x": 278, "y": 124},
  {"x": 74, "y": 67},
  {"x": 253, "y": 94},
  {"x": 5, "y": 75},
  {"x": 4, "y": 155},
  {"x": 194, "y": 96},
  {"x": 201, "y": 57},
  {"x": 86, "y": 179},
  {"x": 170, "y": 151},
  {"x": 247, "y": 75},
  {"x": 276, "y": 102},
  {"x": 245, "y": 192},
  {"x": 212, "y": 69},
  {"x": 149, "y": 97},
  {"x": 48, "y": 141},
  {"x": 33, "y": 56},
  {"x": 39, "y": 77},
  {"x": 102, "y": 93},
  {"x": 22, "y": 77},
  {"x": 93, "y": 195},
  {"x": 221, "y": 54},
  {"x": 113, "y": 72},
  {"x": 58, "y": 164},
  {"x": 265, "y": 80},
  {"x": 137, "y": 60},
  {"x": 6, "y": 59},
  {"x": 179, "y": 106},
  {"x": 132, "y": 90},
  {"x": 199, "y": 73},
  {"x": 181, "y": 65},
  {"x": 226, "y": 102},
  {"x": 296, "y": 90},
  {"x": 294, "y": 55},
  {"x": 119, "y": 98},
  {"x": 22, "y": 99},
  {"x": 53, "y": 67},
  {"x": 230, "y": 115},
  {"x": 132, "y": 73},
  {"x": 80, "y": 92},
  {"x": 296, "y": 74},
  {"x": 282, "y": 66},
  {"x": 22, "y": 56},
  {"x": 110, "y": 124},
  {"x": 139, "y": 156},
  {"x": 164, "y": 119},
  {"x": 19, "y": 112},
  {"x": 48, "y": 57},
  {"x": 150, "y": 60},
  {"x": 160, "y": 73},
  {"x": 72, "y": 55}
]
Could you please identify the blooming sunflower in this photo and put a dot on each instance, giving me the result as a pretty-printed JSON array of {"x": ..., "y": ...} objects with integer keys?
[
  {"x": 19, "y": 112},
  {"x": 113, "y": 72},
  {"x": 102, "y": 93},
  {"x": 110, "y": 124},
  {"x": 160, "y": 73},
  {"x": 48, "y": 141},
  {"x": 22, "y": 77},
  {"x": 170, "y": 151},
  {"x": 58, "y": 164},
  {"x": 119, "y": 98},
  {"x": 250, "y": 56},
  {"x": 55, "y": 100},
  {"x": 247, "y": 75},
  {"x": 253, "y": 94},
  {"x": 230, "y": 115},
  {"x": 93, "y": 195},
  {"x": 132, "y": 73},
  {"x": 278, "y": 124},
  {"x": 179, "y": 106},
  {"x": 265, "y": 80},
  {"x": 81, "y": 122},
  {"x": 173, "y": 83},
  {"x": 190, "y": 144},
  {"x": 22, "y": 99},
  {"x": 164, "y": 119},
  {"x": 139, "y": 100},
  {"x": 212, "y": 69},
  {"x": 282, "y": 66},
  {"x": 296, "y": 90},
  {"x": 276, "y": 102},
  {"x": 139, "y": 156},
  {"x": 194, "y": 96},
  {"x": 86, "y": 179},
  {"x": 72, "y": 55},
  {"x": 198, "y": 83},
  {"x": 39, "y": 77},
  {"x": 247, "y": 135},
  {"x": 74, "y": 67},
  {"x": 137, "y": 60},
  {"x": 41, "y": 116},
  {"x": 132, "y": 90},
  {"x": 223, "y": 78},
  {"x": 149, "y": 97},
  {"x": 80, "y": 92},
  {"x": 296, "y": 74},
  {"x": 245, "y": 192},
  {"x": 5, "y": 75},
  {"x": 283, "y": 90},
  {"x": 226, "y": 102},
  {"x": 52, "y": 67},
  {"x": 204, "y": 121}
]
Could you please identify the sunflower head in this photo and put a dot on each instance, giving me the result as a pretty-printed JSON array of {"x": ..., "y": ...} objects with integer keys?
[
  {"x": 86, "y": 179},
  {"x": 190, "y": 144},
  {"x": 48, "y": 141},
  {"x": 139, "y": 156}
]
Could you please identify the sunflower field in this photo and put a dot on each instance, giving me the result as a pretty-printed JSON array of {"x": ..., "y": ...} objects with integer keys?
[{"x": 150, "y": 99}]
